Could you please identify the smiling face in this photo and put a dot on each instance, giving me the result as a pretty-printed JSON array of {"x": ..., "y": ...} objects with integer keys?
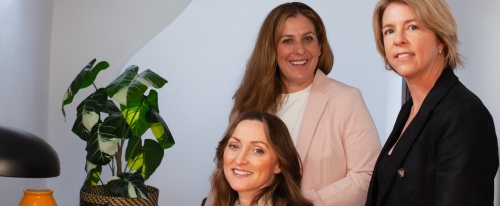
[
  {"x": 298, "y": 51},
  {"x": 411, "y": 49},
  {"x": 249, "y": 162}
]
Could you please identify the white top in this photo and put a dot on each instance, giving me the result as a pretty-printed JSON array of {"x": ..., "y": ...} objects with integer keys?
[{"x": 292, "y": 110}]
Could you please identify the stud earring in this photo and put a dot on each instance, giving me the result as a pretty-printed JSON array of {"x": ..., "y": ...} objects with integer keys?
[{"x": 440, "y": 51}]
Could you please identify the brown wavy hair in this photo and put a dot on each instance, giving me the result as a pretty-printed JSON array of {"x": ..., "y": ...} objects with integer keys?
[
  {"x": 262, "y": 83},
  {"x": 285, "y": 189},
  {"x": 434, "y": 15}
]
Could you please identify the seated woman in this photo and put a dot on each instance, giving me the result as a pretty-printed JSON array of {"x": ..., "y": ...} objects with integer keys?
[{"x": 257, "y": 164}]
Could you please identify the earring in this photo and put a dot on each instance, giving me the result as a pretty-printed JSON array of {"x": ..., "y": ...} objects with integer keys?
[{"x": 440, "y": 51}]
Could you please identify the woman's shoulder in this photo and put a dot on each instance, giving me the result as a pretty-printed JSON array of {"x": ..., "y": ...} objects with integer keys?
[
  {"x": 460, "y": 103},
  {"x": 336, "y": 84},
  {"x": 338, "y": 88},
  {"x": 460, "y": 97}
]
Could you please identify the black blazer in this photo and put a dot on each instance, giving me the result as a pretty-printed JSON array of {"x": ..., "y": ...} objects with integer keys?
[{"x": 448, "y": 155}]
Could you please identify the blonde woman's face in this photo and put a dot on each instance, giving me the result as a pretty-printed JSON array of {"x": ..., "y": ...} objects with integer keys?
[
  {"x": 298, "y": 51},
  {"x": 411, "y": 49},
  {"x": 249, "y": 162}
]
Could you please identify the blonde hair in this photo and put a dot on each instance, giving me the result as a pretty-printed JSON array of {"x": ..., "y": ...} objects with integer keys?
[{"x": 435, "y": 15}]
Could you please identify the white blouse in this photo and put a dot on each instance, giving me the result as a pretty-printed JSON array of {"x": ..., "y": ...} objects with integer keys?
[{"x": 292, "y": 110}]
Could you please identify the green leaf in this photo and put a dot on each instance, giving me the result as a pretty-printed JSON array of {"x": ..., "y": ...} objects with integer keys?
[
  {"x": 153, "y": 154},
  {"x": 111, "y": 108},
  {"x": 151, "y": 79},
  {"x": 162, "y": 134},
  {"x": 102, "y": 146},
  {"x": 92, "y": 74},
  {"x": 152, "y": 99},
  {"x": 124, "y": 88},
  {"x": 114, "y": 127},
  {"x": 158, "y": 125},
  {"x": 147, "y": 157},
  {"x": 136, "y": 116},
  {"x": 93, "y": 175},
  {"x": 128, "y": 185},
  {"x": 134, "y": 154},
  {"x": 88, "y": 113},
  {"x": 129, "y": 86},
  {"x": 84, "y": 79}
]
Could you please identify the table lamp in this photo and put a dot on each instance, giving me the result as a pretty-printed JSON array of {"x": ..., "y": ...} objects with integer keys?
[{"x": 23, "y": 154}]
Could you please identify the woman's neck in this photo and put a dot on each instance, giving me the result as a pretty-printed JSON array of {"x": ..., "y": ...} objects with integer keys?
[
  {"x": 245, "y": 199},
  {"x": 421, "y": 86},
  {"x": 295, "y": 87}
]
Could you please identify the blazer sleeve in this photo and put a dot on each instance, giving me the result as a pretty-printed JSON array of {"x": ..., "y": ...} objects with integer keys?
[
  {"x": 466, "y": 156},
  {"x": 361, "y": 147}
]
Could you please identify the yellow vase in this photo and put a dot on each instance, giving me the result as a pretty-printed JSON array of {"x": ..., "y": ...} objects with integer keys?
[{"x": 38, "y": 197}]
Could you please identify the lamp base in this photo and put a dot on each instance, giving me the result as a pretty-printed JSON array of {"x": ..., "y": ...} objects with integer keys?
[{"x": 38, "y": 197}]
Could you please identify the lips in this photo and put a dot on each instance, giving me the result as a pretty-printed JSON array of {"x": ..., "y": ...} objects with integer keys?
[
  {"x": 403, "y": 55},
  {"x": 298, "y": 63},
  {"x": 241, "y": 172}
]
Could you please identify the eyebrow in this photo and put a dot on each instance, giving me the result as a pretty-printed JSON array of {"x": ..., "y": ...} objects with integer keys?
[
  {"x": 289, "y": 35},
  {"x": 252, "y": 142},
  {"x": 405, "y": 22}
]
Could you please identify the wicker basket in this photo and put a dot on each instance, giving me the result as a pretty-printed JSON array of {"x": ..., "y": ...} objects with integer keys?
[{"x": 101, "y": 196}]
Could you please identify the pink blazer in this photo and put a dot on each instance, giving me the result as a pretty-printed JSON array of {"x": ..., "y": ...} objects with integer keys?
[{"x": 338, "y": 144}]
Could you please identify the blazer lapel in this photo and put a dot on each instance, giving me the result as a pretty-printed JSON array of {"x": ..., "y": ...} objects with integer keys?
[
  {"x": 392, "y": 166},
  {"x": 438, "y": 92},
  {"x": 315, "y": 106}
]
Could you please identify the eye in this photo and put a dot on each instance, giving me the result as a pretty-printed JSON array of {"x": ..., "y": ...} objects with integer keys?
[
  {"x": 287, "y": 41},
  {"x": 309, "y": 38},
  {"x": 412, "y": 27},
  {"x": 258, "y": 151},
  {"x": 388, "y": 31},
  {"x": 232, "y": 146}
]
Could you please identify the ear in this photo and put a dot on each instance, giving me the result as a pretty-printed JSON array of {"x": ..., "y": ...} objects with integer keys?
[
  {"x": 440, "y": 46},
  {"x": 277, "y": 170}
]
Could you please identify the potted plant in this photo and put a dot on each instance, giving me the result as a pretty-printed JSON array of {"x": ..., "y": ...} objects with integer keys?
[{"x": 112, "y": 122}]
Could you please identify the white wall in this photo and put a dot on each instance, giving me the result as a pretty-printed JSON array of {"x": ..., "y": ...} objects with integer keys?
[{"x": 25, "y": 28}]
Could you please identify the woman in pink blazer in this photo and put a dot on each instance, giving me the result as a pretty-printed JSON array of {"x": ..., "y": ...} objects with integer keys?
[
  {"x": 329, "y": 123},
  {"x": 338, "y": 144}
]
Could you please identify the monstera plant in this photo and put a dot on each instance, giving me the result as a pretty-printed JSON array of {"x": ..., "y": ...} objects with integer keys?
[{"x": 112, "y": 121}]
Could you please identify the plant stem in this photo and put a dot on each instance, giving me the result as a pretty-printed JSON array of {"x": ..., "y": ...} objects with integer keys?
[
  {"x": 118, "y": 156},
  {"x": 112, "y": 167}
]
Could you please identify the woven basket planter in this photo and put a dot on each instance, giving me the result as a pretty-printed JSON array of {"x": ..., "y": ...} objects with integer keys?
[{"x": 101, "y": 196}]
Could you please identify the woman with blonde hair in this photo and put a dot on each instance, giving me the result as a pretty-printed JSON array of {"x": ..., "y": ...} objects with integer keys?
[{"x": 443, "y": 147}]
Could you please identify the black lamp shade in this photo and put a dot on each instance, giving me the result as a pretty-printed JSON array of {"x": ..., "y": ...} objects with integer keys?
[{"x": 23, "y": 154}]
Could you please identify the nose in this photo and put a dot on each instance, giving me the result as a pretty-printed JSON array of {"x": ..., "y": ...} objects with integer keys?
[
  {"x": 299, "y": 49},
  {"x": 241, "y": 158},
  {"x": 400, "y": 38}
]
